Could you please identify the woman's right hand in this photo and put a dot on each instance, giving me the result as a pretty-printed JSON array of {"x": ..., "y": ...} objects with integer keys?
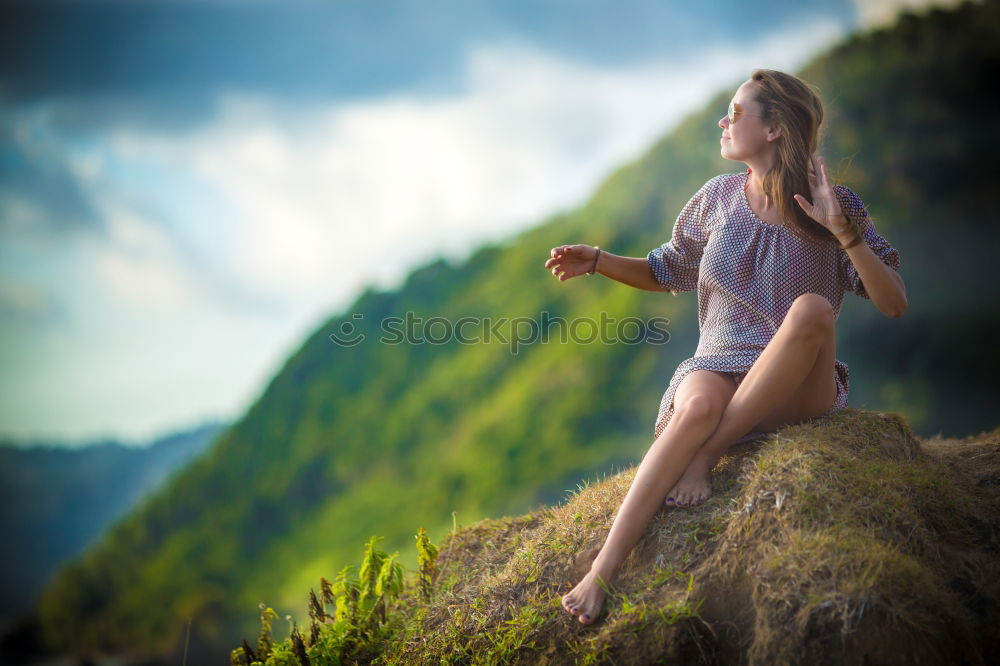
[{"x": 568, "y": 261}]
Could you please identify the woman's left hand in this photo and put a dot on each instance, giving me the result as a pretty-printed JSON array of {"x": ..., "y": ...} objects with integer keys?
[{"x": 825, "y": 208}]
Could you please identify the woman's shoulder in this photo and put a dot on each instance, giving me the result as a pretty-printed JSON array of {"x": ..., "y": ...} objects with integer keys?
[
  {"x": 721, "y": 185},
  {"x": 727, "y": 180},
  {"x": 717, "y": 198}
]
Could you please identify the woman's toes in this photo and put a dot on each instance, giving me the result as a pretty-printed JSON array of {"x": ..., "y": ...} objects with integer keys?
[{"x": 589, "y": 599}]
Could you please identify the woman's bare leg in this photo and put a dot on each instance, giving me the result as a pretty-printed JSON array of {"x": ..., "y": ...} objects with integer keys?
[
  {"x": 698, "y": 408},
  {"x": 772, "y": 390},
  {"x": 792, "y": 381}
]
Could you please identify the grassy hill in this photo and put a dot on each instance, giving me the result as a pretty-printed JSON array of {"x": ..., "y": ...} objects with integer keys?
[
  {"x": 846, "y": 540},
  {"x": 346, "y": 442}
]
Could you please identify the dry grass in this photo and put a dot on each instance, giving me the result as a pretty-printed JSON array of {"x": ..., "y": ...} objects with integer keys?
[{"x": 845, "y": 540}]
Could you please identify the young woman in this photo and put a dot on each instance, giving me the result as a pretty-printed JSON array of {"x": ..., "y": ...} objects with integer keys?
[{"x": 771, "y": 253}]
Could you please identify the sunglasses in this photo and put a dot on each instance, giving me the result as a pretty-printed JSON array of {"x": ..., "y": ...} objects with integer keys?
[{"x": 735, "y": 111}]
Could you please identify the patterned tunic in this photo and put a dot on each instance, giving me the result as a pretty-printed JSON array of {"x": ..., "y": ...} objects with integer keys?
[{"x": 747, "y": 273}]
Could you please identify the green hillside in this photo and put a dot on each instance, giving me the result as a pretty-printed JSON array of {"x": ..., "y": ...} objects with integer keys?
[
  {"x": 347, "y": 442},
  {"x": 844, "y": 540}
]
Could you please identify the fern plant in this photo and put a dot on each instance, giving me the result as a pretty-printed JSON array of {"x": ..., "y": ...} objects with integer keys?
[
  {"x": 361, "y": 622},
  {"x": 426, "y": 557}
]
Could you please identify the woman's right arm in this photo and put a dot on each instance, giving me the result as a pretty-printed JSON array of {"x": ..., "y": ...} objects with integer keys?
[
  {"x": 633, "y": 271},
  {"x": 568, "y": 261},
  {"x": 673, "y": 267}
]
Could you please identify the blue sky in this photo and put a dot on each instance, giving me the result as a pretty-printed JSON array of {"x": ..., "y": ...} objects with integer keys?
[{"x": 188, "y": 189}]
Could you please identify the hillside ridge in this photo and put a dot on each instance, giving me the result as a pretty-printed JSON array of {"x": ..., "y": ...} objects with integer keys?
[{"x": 842, "y": 540}]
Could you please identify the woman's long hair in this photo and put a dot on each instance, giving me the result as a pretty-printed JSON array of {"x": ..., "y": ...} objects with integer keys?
[{"x": 790, "y": 103}]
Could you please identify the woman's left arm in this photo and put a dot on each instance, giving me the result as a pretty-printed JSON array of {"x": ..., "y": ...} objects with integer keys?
[{"x": 884, "y": 285}]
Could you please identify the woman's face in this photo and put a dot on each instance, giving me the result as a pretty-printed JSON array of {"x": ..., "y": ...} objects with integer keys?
[{"x": 747, "y": 136}]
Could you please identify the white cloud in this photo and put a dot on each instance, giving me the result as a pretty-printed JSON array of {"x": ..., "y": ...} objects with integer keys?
[
  {"x": 138, "y": 265},
  {"x": 324, "y": 199},
  {"x": 27, "y": 303},
  {"x": 21, "y": 214}
]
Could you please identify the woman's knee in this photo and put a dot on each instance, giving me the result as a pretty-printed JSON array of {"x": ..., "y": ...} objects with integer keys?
[
  {"x": 700, "y": 408},
  {"x": 811, "y": 314}
]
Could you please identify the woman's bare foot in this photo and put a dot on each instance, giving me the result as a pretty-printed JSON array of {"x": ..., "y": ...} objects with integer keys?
[
  {"x": 586, "y": 599},
  {"x": 693, "y": 488}
]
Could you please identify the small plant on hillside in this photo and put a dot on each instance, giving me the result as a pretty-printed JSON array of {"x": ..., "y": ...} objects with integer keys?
[
  {"x": 361, "y": 622},
  {"x": 426, "y": 558}
]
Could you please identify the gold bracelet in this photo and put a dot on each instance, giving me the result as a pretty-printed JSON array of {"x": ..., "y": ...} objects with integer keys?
[
  {"x": 854, "y": 241},
  {"x": 857, "y": 232},
  {"x": 596, "y": 256}
]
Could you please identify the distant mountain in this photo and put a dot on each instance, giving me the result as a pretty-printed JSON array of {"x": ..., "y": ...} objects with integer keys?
[
  {"x": 382, "y": 438},
  {"x": 55, "y": 502}
]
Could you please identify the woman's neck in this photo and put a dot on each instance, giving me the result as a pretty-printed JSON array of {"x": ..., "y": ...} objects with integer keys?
[
  {"x": 755, "y": 182},
  {"x": 755, "y": 191}
]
